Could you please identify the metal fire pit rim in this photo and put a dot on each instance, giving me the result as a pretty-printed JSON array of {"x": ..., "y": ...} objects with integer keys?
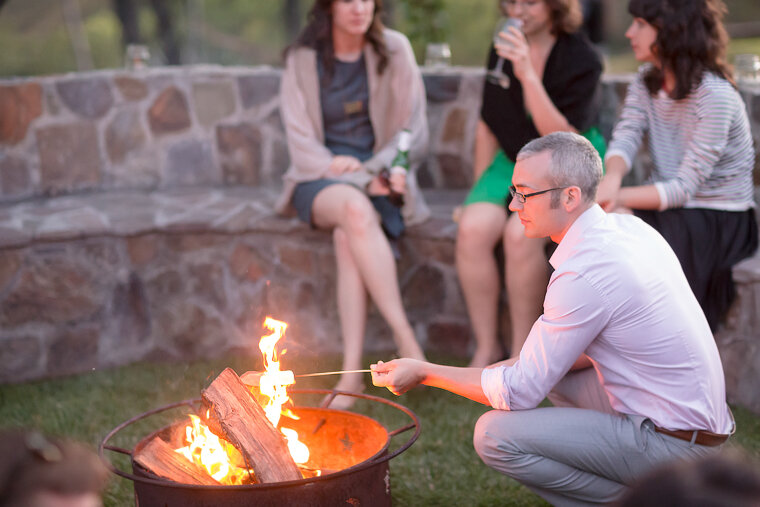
[{"x": 375, "y": 460}]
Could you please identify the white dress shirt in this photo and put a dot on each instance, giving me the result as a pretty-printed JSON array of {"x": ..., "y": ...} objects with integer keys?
[{"x": 618, "y": 294}]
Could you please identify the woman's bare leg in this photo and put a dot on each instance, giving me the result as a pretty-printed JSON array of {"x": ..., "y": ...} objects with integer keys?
[
  {"x": 481, "y": 225},
  {"x": 352, "y": 310},
  {"x": 527, "y": 276},
  {"x": 346, "y": 208}
]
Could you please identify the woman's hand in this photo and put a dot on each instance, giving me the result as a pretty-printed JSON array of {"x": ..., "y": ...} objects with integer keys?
[
  {"x": 342, "y": 164},
  {"x": 398, "y": 182},
  {"x": 398, "y": 375},
  {"x": 515, "y": 49},
  {"x": 607, "y": 193},
  {"x": 378, "y": 186}
]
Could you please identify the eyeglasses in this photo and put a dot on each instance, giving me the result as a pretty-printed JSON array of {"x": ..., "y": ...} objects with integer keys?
[
  {"x": 521, "y": 198},
  {"x": 511, "y": 4}
]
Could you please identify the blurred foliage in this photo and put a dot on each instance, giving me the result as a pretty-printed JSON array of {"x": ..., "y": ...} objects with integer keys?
[{"x": 254, "y": 32}]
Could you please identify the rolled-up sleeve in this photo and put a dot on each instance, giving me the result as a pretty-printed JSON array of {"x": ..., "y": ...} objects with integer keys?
[{"x": 574, "y": 314}]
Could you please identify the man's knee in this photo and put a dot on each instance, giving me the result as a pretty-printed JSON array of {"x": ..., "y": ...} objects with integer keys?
[{"x": 491, "y": 438}]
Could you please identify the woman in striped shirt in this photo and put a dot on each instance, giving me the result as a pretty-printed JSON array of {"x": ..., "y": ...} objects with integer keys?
[{"x": 699, "y": 195}]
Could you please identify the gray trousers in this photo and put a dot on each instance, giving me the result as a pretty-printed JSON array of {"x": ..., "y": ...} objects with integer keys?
[{"x": 579, "y": 452}]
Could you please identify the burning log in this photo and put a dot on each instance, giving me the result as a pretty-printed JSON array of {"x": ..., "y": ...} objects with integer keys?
[
  {"x": 161, "y": 459},
  {"x": 234, "y": 414}
]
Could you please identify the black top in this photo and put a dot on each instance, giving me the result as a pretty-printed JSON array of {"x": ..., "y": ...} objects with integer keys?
[
  {"x": 571, "y": 79},
  {"x": 345, "y": 109}
]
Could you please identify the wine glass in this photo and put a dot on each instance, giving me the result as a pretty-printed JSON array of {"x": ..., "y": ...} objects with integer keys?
[
  {"x": 497, "y": 75},
  {"x": 437, "y": 55}
]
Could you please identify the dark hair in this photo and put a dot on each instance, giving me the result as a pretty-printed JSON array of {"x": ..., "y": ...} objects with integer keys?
[
  {"x": 730, "y": 478},
  {"x": 566, "y": 15},
  {"x": 317, "y": 34},
  {"x": 31, "y": 463},
  {"x": 691, "y": 39}
]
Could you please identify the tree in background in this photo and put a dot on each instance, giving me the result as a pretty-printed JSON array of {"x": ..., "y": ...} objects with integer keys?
[
  {"x": 291, "y": 14},
  {"x": 427, "y": 22},
  {"x": 127, "y": 13}
]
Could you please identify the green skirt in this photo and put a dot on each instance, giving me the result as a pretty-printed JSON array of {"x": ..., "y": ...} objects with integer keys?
[{"x": 493, "y": 184}]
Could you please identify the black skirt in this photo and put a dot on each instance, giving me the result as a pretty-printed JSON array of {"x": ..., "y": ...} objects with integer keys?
[{"x": 708, "y": 243}]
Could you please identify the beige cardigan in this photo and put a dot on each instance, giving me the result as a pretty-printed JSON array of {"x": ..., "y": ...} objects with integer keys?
[{"x": 396, "y": 101}]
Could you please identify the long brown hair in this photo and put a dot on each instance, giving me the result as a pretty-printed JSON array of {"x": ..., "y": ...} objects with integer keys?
[
  {"x": 317, "y": 34},
  {"x": 566, "y": 15},
  {"x": 691, "y": 39}
]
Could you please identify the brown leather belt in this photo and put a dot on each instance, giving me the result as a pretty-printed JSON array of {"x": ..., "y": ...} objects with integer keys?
[{"x": 703, "y": 437}]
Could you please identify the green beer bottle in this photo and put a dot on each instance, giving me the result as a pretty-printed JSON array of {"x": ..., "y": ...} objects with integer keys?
[{"x": 399, "y": 164}]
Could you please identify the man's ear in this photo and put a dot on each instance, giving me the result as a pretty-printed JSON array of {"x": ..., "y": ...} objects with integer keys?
[{"x": 572, "y": 199}]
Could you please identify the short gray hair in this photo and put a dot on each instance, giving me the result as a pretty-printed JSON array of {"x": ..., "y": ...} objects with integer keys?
[{"x": 574, "y": 162}]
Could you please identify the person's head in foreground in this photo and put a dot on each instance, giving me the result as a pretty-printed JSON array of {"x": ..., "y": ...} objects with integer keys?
[
  {"x": 728, "y": 479},
  {"x": 36, "y": 471},
  {"x": 555, "y": 181},
  {"x": 685, "y": 37}
]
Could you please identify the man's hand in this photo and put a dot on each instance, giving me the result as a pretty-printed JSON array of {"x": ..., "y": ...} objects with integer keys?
[
  {"x": 342, "y": 164},
  {"x": 398, "y": 375}
]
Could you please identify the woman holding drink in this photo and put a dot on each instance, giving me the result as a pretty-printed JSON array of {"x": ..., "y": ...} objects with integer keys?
[
  {"x": 550, "y": 83},
  {"x": 349, "y": 89}
]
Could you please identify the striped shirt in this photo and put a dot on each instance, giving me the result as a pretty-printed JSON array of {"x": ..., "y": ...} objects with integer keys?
[{"x": 701, "y": 146}]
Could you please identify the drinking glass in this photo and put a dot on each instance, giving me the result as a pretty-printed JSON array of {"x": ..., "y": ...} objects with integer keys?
[
  {"x": 437, "y": 55},
  {"x": 497, "y": 75},
  {"x": 747, "y": 69},
  {"x": 137, "y": 56}
]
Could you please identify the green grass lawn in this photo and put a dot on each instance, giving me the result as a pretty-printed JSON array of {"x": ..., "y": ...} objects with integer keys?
[{"x": 441, "y": 468}]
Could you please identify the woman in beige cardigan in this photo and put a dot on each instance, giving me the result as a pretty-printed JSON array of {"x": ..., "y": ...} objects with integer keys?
[{"x": 349, "y": 88}]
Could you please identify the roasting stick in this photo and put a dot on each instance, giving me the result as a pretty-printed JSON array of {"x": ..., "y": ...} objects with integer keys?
[
  {"x": 251, "y": 378},
  {"x": 339, "y": 372}
]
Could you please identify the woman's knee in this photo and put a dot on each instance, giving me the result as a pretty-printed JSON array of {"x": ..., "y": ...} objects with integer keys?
[
  {"x": 359, "y": 216},
  {"x": 475, "y": 234}
]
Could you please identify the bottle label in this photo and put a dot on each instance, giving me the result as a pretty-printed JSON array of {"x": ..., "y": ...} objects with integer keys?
[{"x": 404, "y": 140}]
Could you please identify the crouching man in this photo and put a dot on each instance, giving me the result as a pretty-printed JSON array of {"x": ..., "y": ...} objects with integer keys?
[{"x": 617, "y": 300}]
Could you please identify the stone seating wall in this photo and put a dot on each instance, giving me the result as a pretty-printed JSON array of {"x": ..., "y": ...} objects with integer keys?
[{"x": 136, "y": 224}]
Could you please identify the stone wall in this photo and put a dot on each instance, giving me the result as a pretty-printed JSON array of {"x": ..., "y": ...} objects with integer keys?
[
  {"x": 136, "y": 222},
  {"x": 204, "y": 126}
]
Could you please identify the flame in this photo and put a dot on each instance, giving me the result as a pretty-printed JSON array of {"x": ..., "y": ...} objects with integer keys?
[
  {"x": 217, "y": 455},
  {"x": 212, "y": 453},
  {"x": 273, "y": 383}
]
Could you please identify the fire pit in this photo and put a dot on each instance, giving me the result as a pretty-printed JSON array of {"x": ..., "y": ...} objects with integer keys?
[{"x": 351, "y": 451}]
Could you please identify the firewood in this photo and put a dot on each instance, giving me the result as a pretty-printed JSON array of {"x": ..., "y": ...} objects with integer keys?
[
  {"x": 231, "y": 412},
  {"x": 159, "y": 458}
]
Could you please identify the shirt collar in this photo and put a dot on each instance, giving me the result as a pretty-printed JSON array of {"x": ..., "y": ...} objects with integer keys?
[{"x": 588, "y": 218}]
